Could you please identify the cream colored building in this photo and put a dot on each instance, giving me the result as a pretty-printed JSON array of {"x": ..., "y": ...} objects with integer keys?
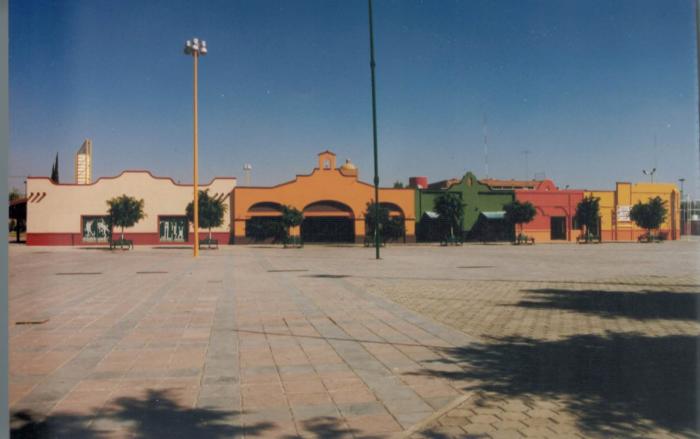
[
  {"x": 74, "y": 214},
  {"x": 83, "y": 163}
]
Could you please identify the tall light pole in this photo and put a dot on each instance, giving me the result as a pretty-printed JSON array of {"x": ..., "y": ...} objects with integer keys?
[
  {"x": 195, "y": 48},
  {"x": 374, "y": 133},
  {"x": 684, "y": 212},
  {"x": 650, "y": 173}
]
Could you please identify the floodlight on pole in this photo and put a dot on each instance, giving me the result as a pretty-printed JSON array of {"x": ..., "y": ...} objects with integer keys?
[
  {"x": 195, "y": 48},
  {"x": 650, "y": 173}
]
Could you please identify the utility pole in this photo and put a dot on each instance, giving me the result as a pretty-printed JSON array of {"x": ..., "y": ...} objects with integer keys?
[{"x": 374, "y": 133}]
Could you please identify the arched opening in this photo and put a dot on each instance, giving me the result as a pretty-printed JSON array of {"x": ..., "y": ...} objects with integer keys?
[
  {"x": 328, "y": 221},
  {"x": 263, "y": 221},
  {"x": 395, "y": 228}
]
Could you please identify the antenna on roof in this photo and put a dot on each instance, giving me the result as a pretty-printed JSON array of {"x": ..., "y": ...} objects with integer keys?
[
  {"x": 527, "y": 169},
  {"x": 486, "y": 146}
]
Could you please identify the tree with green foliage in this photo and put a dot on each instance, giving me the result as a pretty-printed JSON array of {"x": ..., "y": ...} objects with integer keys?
[
  {"x": 518, "y": 213},
  {"x": 451, "y": 210},
  {"x": 649, "y": 215},
  {"x": 587, "y": 216},
  {"x": 390, "y": 228},
  {"x": 14, "y": 194},
  {"x": 211, "y": 211},
  {"x": 125, "y": 211},
  {"x": 17, "y": 213},
  {"x": 291, "y": 217},
  {"x": 375, "y": 215},
  {"x": 398, "y": 185}
]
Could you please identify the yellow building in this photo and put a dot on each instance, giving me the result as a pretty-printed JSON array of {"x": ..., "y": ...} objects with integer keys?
[{"x": 615, "y": 206}]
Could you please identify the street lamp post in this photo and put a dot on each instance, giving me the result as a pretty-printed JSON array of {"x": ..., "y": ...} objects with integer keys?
[
  {"x": 374, "y": 133},
  {"x": 195, "y": 48},
  {"x": 650, "y": 173},
  {"x": 684, "y": 212}
]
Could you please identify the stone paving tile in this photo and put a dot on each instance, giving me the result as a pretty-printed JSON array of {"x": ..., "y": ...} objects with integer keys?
[
  {"x": 521, "y": 312},
  {"x": 229, "y": 349}
]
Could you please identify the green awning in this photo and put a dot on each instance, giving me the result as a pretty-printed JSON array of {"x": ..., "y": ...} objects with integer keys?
[{"x": 497, "y": 215}]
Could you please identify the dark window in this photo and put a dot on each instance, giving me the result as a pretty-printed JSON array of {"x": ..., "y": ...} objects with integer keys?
[{"x": 173, "y": 228}]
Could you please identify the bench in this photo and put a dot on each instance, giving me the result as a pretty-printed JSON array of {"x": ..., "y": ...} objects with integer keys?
[
  {"x": 653, "y": 238},
  {"x": 369, "y": 242},
  {"x": 581, "y": 239},
  {"x": 451, "y": 240},
  {"x": 209, "y": 242},
  {"x": 524, "y": 239},
  {"x": 293, "y": 242},
  {"x": 121, "y": 243}
]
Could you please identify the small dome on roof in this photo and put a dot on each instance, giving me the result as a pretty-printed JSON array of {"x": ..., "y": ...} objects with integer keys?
[
  {"x": 348, "y": 166},
  {"x": 349, "y": 169}
]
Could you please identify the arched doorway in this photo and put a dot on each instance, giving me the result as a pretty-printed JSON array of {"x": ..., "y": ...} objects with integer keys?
[
  {"x": 263, "y": 221},
  {"x": 328, "y": 221},
  {"x": 395, "y": 229}
]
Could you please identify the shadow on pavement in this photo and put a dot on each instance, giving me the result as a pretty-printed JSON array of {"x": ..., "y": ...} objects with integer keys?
[
  {"x": 328, "y": 428},
  {"x": 642, "y": 305},
  {"x": 156, "y": 415},
  {"x": 615, "y": 385}
]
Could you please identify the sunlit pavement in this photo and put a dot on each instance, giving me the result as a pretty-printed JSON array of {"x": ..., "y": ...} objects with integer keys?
[{"x": 482, "y": 340}]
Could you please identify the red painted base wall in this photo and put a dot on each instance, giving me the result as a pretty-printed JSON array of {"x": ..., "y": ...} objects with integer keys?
[{"x": 138, "y": 238}]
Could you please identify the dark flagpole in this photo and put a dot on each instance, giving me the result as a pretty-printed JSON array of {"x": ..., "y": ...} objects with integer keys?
[{"x": 374, "y": 133}]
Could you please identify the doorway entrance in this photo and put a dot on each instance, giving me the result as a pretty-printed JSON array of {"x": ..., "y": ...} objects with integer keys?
[{"x": 558, "y": 228}]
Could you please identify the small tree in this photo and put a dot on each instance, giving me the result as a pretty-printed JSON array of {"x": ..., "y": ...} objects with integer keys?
[
  {"x": 398, "y": 185},
  {"x": 389, "y": 228},
  {"x": 291, "y": 217},
  {"x": 450, "y": 208},
  {"x": 587, "y": 213},
  {"x": 518, "y": 213},
  {"x": 211, "y": 211},
  {"x": 649, "y": 215},
  {"x": 54, "y": 170},
  {"x": 125, "y": 211},
  {"x": 372, "y": 213},
  {"x": 14, "y": 194}
]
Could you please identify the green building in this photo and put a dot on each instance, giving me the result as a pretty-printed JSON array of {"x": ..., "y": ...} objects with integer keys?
[{"x": 483, "y": 210}]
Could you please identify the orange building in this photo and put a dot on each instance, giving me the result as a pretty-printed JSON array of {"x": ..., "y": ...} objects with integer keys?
[
  {"x": 333, "y": 201},
  {"x": 615, "y": 208}
]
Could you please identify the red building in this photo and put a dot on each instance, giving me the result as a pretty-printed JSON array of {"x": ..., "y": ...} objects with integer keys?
[{"x": 555, "y": 208}]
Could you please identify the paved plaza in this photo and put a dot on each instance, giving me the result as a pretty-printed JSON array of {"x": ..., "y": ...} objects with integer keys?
[{"x": 324, "y": 341}]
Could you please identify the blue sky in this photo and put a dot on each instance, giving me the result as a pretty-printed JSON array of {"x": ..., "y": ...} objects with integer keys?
[{"x": 584, "y": 85}]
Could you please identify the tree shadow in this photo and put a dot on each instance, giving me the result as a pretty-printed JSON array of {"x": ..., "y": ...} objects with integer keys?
[
  {"x": 155, "y": 415},
  {"x": 641, "y": 305},
  {"x": 25, "y": 425},
  {"x": 328, "y": 428},
  {"x": 615, "y": 385}
]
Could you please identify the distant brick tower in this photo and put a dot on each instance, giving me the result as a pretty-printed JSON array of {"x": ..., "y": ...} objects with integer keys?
[{"x": 83, "y": 163}]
